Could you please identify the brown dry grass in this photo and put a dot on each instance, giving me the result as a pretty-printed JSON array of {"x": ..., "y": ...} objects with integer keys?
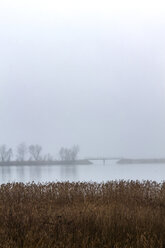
[{"x": 82, "y": 215}]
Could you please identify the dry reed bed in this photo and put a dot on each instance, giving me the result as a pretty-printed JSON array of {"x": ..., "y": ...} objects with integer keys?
[{"x": 118, "y": 214}]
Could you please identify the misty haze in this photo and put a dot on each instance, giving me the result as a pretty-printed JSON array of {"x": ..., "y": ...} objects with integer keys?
[
  {"x": 92, "y": 77},
  {"x": 82, "y": 123}
]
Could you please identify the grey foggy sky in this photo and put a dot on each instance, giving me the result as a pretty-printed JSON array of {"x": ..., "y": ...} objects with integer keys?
[{"x": 83, "y": 72}]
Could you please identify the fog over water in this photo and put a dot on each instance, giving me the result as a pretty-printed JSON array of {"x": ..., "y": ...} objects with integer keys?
[{"x": 90, "y": 73}]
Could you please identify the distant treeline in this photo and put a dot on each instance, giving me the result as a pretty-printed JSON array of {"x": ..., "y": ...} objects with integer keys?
[{"x": 34, "y": 153}]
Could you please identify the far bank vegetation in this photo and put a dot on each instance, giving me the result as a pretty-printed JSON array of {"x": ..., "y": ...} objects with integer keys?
[{"x": 32, "y": 152}]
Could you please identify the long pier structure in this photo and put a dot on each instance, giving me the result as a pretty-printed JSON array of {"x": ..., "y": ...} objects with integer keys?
[{"x": 104, "y": 159}]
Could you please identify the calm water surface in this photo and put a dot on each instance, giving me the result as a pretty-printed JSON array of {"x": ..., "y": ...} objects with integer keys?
[{"x": 96, "y": 172}]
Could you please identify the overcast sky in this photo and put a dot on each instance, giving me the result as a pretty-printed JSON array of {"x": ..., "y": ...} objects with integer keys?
[{"x": 83, "y": 72}]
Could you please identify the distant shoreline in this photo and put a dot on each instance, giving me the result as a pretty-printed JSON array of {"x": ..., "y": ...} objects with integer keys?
[
  {"x": 38, "y": 163},
  {"x": 141, "y": 161}
]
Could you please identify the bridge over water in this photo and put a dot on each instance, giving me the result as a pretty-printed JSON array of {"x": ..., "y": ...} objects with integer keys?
[{"x": 103, "y": 159}]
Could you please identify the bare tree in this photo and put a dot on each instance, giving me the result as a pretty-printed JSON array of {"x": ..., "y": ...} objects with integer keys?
[
  {"x": 62, "y": 153},
  {"x": 74, "y": 152},
  {"x": 69, "y": 154},
  {"x": 5, "y": 153},
  {"x": 35, "y": 151},
  {"x": 22, "y": 152}
]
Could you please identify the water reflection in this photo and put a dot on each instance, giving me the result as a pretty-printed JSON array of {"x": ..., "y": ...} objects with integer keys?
[
  {"x": 68, "y": 171},
  {"x": 20, "y": 172},
  {"x": 35, "y": 172},
  {"x": 5, "y": 173},
  {"x": 96, "y": 172}
]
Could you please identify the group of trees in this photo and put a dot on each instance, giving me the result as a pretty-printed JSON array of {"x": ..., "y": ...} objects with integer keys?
[
  {"x": 22, "y": 153},
  {"x": 69, "y": 154},
  {"x": 33, "y": 153}
]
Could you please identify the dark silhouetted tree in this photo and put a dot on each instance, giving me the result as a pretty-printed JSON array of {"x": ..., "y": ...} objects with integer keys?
[
  {"x": 66, "y": 154},
  {"x": 35, "y": 151},
  {"x": 74, "y": 152},
  {"x": 5, "y": 153},
  {"x": 22, "y": 152}
]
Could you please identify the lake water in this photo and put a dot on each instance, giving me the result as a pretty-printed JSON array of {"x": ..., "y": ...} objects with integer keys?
[{"x": 97, "y": 172}]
